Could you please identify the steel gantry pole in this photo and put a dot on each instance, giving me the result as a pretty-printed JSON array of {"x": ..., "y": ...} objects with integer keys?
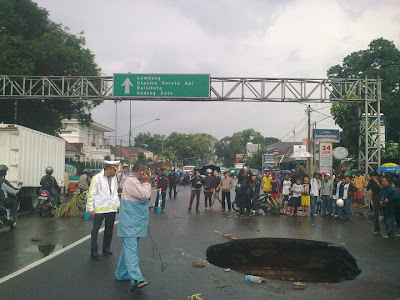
[
  {"x": 309, "y": 110},
  {"x": 367, "y": 94}
]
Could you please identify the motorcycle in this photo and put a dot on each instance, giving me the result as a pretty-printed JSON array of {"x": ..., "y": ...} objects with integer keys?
[
  {"x": 5, "y": 220},
  {"x": 184, "y": 181},
  {"x": 46, "y": 204},
  {"x": 263, "y": 202},
  {"x": 5, "y": 217}
]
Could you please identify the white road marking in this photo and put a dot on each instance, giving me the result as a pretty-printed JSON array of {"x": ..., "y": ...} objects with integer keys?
[{"x": 48, "y": 257}]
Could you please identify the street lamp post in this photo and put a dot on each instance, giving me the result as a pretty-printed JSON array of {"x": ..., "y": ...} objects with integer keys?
[{"x": 130, "y": 130}]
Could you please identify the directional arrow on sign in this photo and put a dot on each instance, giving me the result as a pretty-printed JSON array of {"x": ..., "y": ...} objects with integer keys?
[{"x": 127, "y": 84}]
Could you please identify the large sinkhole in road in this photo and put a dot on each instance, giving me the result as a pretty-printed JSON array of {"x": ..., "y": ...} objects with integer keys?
[{"x": 286, "y": 259}]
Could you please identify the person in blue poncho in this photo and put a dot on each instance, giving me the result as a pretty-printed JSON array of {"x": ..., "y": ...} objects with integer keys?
[{"x": 133, "y": 223}]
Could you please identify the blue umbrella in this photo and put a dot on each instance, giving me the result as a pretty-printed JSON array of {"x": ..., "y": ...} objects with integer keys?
[{"x": 389, "y": 169}]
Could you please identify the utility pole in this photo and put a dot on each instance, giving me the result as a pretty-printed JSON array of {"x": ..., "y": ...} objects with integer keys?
[
  {"x": 294, "y": 133},
  {"x": 314, "y": 146},
  {"x": 130, "y": 123},
  {"x": 309, "y": 110},
  {"x": 116, "y": 122}
]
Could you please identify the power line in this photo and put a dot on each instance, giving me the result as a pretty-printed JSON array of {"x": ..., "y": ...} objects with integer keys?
[
  {"x": 305, "y": 127},
  {"x": 293, "y": 128},
  {"x": 318, "y": 112}
]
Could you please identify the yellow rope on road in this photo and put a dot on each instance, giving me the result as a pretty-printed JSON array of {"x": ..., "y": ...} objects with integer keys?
[{"x": 195, "y": 297}]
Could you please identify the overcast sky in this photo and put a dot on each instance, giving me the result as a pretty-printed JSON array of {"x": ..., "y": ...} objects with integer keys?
[{"x": 286, "y": 38}]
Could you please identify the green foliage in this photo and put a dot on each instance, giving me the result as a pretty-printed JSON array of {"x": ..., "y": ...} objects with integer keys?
[
  {"x": 390, "y": 153},
  {"x": 179, "y": 146},
  {"x": 346, "y": 116},
  {"x": 31, "y": 44},
  {"x": 381, "y": 58},
  {"x": 255, "y": 161},
  {"x": 141, "y": 156},
  {"x": 154, "y": 142},
  {"x": 227, "y": 148}
]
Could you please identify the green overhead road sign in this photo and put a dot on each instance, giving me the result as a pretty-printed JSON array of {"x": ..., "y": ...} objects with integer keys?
[{"x": 162, "y": 85}]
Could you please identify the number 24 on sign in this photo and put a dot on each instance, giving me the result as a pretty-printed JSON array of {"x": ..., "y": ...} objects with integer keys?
[{"x": 326, "y": 149}]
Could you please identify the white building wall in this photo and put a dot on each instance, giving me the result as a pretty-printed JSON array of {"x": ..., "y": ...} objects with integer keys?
[{"x": 95, "y": 145}]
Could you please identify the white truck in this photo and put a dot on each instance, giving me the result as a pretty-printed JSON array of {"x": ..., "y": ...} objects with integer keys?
[{"x": 27, "y": 153}]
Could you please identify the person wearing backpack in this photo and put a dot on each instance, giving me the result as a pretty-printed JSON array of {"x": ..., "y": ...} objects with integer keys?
[
  {"x": 84, "y": 181},
  {"x": 49, "y": 183}
]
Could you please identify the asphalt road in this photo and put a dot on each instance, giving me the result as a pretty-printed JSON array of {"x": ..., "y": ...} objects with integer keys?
[{"x": 182, "y": 238}]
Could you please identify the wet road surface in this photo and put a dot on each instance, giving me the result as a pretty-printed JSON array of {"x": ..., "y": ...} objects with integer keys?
[{"x": 182, "y": 238}]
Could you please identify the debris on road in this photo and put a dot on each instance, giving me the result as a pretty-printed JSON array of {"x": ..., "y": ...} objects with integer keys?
[
  {"x": 195, "y": 297},
  {"x": 254, "y": 279},
  {"x": 227, "y": 270},
  {"x": 299, "y": 285},
  {"x": 229, "y": 236},
  {"x": 198, "y": 264},
  {"x": 36, "y": 238}
]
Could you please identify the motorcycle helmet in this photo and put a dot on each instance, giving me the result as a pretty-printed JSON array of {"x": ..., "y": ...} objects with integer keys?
[
  {"x": 3, "y": 170},
  {"x": 255, "y": 173},
  {"x": 208, "y": 171},
  {"x": 49, "y": 170}
]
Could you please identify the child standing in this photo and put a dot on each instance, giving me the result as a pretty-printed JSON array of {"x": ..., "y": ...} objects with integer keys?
[
  {"x": 162, "y": 185},
  {"x": 305, "y": 196},
  {"x": 286, "y": 185},
  {"x": 295, "y": 201},
  {"x": 275, "y": 185}
]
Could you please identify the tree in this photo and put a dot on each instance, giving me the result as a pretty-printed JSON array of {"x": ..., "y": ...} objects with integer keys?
[
  {"x": 141, "y": 156},
  {"x": 255, "y": 161},
  {"x": 179, "y": 146},
  {"x": 153, "y": 143},
  {"x": 227, "y": 148},
  {"x": 381, "y": 58},
  {"x": 31, "y": 44}
]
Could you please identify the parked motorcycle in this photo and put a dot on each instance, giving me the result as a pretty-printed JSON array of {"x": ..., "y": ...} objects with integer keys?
[
  {"x": 47, "y": 208},
  {"x": 264, "y": 202}
]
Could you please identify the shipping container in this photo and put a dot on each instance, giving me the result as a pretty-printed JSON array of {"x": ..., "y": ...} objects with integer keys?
[{"x": 27, "y": 153}]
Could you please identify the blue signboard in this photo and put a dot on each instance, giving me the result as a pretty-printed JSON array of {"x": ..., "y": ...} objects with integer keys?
[{"x": 327, "y": 135}]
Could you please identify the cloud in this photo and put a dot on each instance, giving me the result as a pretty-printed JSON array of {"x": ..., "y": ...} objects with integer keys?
[{"x": 259, "y": 38}]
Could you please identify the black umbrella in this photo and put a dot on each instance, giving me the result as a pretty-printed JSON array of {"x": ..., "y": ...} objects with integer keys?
[{"x": 212, "y": 167}]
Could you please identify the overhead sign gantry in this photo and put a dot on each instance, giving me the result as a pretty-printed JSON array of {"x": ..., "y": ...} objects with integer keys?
[{"x": 365, "y": 92}]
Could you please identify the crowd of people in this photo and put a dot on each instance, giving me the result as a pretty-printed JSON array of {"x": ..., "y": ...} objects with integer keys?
[{"x": 301, "y": 196}]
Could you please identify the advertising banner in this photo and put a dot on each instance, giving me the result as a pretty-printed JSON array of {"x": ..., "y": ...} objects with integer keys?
[
  {"x": 325, "y": 156},
  {"x": 239, "y": 157},
  {"x": 326, "y": 135}
]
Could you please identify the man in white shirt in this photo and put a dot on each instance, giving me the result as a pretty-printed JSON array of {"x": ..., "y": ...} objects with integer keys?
[{"x": 314, "y": 193}]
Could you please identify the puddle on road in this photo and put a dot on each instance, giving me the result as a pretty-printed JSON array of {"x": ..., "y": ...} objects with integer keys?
[
  {"x": 46, "y": 249},
  {"x": 286, "y": 259}
]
